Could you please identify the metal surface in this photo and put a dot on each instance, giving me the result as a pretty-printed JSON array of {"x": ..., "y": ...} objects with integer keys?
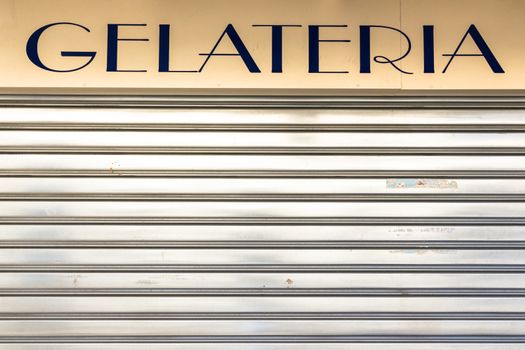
[
  {"x": 254, "y": 101},
  {"x": 280, "y": 224}
]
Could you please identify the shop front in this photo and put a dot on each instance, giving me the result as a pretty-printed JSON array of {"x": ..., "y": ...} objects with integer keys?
[{"x": 299, "y": 174}]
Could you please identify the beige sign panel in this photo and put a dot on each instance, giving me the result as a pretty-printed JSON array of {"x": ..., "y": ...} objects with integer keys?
[
  {"x": 502, "y": 26},
  {"x": 265, "y": 44}
]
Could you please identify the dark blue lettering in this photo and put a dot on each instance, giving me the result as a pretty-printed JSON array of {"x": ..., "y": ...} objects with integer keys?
[
  {"x": 483, "y": 48},
  {"x": 242, "y": 51},
  {"x": 313, "y": 47},
  {"x": 33, "y": 55},
  {"x": 277, "y": 44},
  {"x": 428, "y": 49},
  {"x": 113, "y": 40},
  {"x": 164, "y": 51},
  {"x": 365, "y": 50}
]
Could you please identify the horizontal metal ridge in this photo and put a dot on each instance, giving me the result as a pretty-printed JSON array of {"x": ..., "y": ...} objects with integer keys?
[
  {"x": 259, "y": 346},
  {"x": 269, "y": 292},
  {"x": 360, "y": 174},
  {"x": 251, "y": 244},
  {"x": 202, "y": 127},
  {"x": 374, "y": 316},
  {"x": 266, "y": 197},
  {"x": 371, "y": 102},
  {"x": 264, "y": 150},
  {"x": 248, "y": 268},
  {"x": 54, "y": 126},
  {"x": 337, "y": 221},
  {"x": 460, "y": 339}
]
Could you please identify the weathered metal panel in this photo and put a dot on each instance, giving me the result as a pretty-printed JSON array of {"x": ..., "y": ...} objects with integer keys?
[{"x": 262, "y": 223}]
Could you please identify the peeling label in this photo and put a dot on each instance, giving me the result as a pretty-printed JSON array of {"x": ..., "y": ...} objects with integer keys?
[{"x": 421, "y": 183}]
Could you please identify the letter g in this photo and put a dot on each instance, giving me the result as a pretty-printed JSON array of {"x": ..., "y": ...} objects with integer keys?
[{"x": 32, "y": 49}]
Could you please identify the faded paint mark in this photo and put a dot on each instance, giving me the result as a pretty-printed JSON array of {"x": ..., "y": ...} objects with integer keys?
[
  {"x": 76, "y": 279},
  {"x": 146, "y": 282}
]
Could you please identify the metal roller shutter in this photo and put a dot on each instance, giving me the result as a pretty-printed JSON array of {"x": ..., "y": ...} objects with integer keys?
[{"x": 262, "y": 223}]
